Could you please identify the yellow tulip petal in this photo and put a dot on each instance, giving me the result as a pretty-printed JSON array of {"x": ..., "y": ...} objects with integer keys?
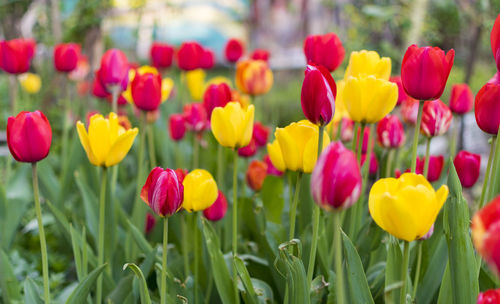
[
  {"x": 246, "y": 127},
  {"x": 222, "y": 128},
  {"x": 422, "y": 205},
  {"x": 414, "y": 180},
  {"x": 275, "y": 155},
  {"x": 121, "y": 147},
  {"x": 84, "y": 140},
  {"x": 167, "y": 84},
  {"x": 147, "y": 69},
  {"x": 353, "y": 99},
  {"x": 200, "y": 190},
  {"x": 113, "y": 127},
  {"x": 99, "y": 138},
  {"x": 310, "y": 155},
  {"x": 383, "y": 68},
  {"x": 398, "y": 218},
  {"x": 291, "y": 152}
]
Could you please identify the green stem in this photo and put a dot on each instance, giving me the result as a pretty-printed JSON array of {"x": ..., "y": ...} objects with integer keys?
[
  {"x": 361, "y": 137},
  {"x": 487, "y": 175},
  {"x": 454, "y": 135},
  {"x": 138, "y": 208},
  {"x": 404, "y": 271},
  {"x": 235, "y": 224},
  {"x": 220, "y": 167},
  {"x": 338, "y": 133},
  {"x": 43, "y": 244},
  {"x": 355, "y": 137},
  {"x": 196, "y": 151},
  {"x": 163, "y": 294},
  {"x": 339, "y": 274},
  {"x": 185, "y": 245},
  {"x": 13, "y": 87},
  {"x": 417, "y": 271},
  {"x": 494, "y": 167},
  {"x": 102, "y": 215},
  {"x": 415, "y": 137},
  {"x": 182, "y": 89},
  {"x": 65, "y": 122},
  {"x": 151, "y": 143},
  {"x": 115, "y": 93},
  {"x": 388, "y": 163},
  {"x": 293, "y": 207},
  {"x": 427, "y": 156},
  {"x": 196, "y": 256}
]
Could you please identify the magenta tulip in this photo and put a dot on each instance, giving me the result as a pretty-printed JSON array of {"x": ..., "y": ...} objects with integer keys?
[
  {"x": 163, "y": 192},
  {"x": 318, "y": 95},
  {"x": 436, "y": 118},
  {"x": 390, "y": 132},
  {"x": 461, "y": 99},
  {"x": 218, "y": 209},
  {"x": 468, "y": 166}
]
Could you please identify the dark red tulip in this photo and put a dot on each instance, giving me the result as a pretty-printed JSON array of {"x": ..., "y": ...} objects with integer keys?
[
  {"x": 436, "y": 118},
  {"x": 495, "y": 41},
  {"x": 409, "y": 110},
  {"x": 216, "y": 95},
  {"x": 260, "y": 54},
  {"x": 207, "y": 59},
  {"x": 271, "y": 169},
  {"x": 195, "y": 117},
  {"x": 218, "y": 209},
  {"x": 425, "y": 70},
  {"x": 401, "y": 90},
  {"x": 487, "y": 108},
  {"x": 318, "y": 95},
  {"x": 256, "y": 174},
  {"x": 390, "y": 132},
  {"x": 163, "y": 192},
  {"x": 325, "y": 50},
  {"x": 468, "y": 166},
  {"x": 491, "y": 296},
  {"x": 177, "y": 127},
  {"x": 146, "y": 91},
  {"x": 373, "y": 163},
  {"x": 114, "y": 68},
  {"x": 461, "y": 98},
  {"x": 66, "y": 56},
  {"x": 98, "y": 89},
  {"x": 16, "y": 55},
  {"x": 486, "y": 233},
  {"x": 436, "y": 164},
  {"x": 249, "y": 150},
  {"x": 161, "y": 55},
  {"x": 234, "y": 50},
  {"x": 29, "y": 136},
  {"x": 150, "y": 223},
  {"x": 189, "y": 56},
  {"x": 260, "y": 134}
]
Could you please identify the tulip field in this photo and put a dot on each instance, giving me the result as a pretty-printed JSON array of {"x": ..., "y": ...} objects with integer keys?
[{"x": 181, "y": 179}]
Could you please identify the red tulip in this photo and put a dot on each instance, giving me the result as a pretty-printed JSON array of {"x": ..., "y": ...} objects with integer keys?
[
  {"x": 248, "y": 150},
  {"x": 66, "y": 56},
  {"x": 260, "y": 54},
  {"x": 436, "y": 118},
  {"x": 495, "y": 79},
  {"x": 16, "y": 55},
  {"x": 216, "y": 95},
  {"x": 234, "y": 50},
  {"x": 409, "y": 111},
  {"x": 487, "y": 108},
  {"x": 318, "y": 95},
  {"x": 189, "y": 56},
  {"x": 491, "y": 296},
  {"x": 260, "y": 134},
  {"x": 325, "y": 50},
  {"x": 390, "y": 132},
  {"x": 29, "y": 136},
  {"x": 163, "y": 192},
  {"x": 468, "y": 166},
  {"x": 207, "y": 59},
  {"x": 195, "y": 117},
  {"x": 256, "y": 174},
  {"x": 177, "y": 127},
  {"x": 425, "y": 70},
  {"x": 271, "y": 169},
  {"x": 495, "y": 41},
  {"x": 401, "y": 90},
  {"x": 114, "y": 68},
  {"x": 486, "y": 233},
  {"x": 347, "y": 129},
  {"x": 161, "y": 55},
  {"x": 218, "y": 209},
  {"x": 336, "y": 179},
  {"x": 150, "y": 223},
  {"x": 98, "y": 88},
  {"x": 436, "y": 164},
  {"x": 373, "y": 163},
  {"x": 181, "y": 174},
  {"x": 146, "y": 91},
  {"x": 461, "y": 99}
]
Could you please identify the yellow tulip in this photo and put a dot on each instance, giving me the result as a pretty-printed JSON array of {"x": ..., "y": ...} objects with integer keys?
[
  {"x": 296, "y": 146},
  {"x": 200, "y": 190},
  {"x": 340, "y": 109},
  {"x": 368, "y": 99},
  {"x": 232, "y": 126},
  {"x": 406, "y": 207},
  {"x": 106, "y": 142},
  {"x": 167, "y": 84},
  {"x": 30, "y": 82},
  {"x": 253, "y": 77},
  {"x": 195, "y": 81},
  {"x": 366, "y": 63}
]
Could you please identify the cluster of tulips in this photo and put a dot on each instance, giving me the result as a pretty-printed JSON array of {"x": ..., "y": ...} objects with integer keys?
[{"x": 343, "y": 121}]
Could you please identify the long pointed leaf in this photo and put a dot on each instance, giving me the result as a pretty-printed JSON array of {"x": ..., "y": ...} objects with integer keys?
[
  {"x": 79, "y": 295},
  {"x": 145, "y": 299}
]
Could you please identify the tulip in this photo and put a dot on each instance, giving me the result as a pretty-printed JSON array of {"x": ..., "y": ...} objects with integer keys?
[
  {"x": 218, "y": 210},
  {"x": 248, "y": 150},
  {"x": 260, "y": 134},
  {"x": 390, "y": 132},
  {"x": 161, "y": 55},
  {"x": 256, "y": 174},
  {"x": 461, "y": 99},
  {"x": 260, "y": 54},
  {"x": 98, "y": 89},
  {"x": 195, "y": 81},
  {"x": 189, "y": 56},
  {"x": 163, "y": 192},
  {"x": 233, "y": 50},
  {"x": 271, "y": 169},
  {"x": 253, "y": 77},
  {"x": 325, "y": 50},
  {"x": 402, "y": 96},
  {"x": 318, "y": 95},
  {"x": 30, "y": 82},
  {"x": 468, "y": 166},
  {"x": 29, "y": 136},
  {"x": 347, "y": 129},
  {"x": 436, "y": 164},
  {"x": 409, "y": 110},
  {"x": 114, "y": 68},
  {"x": 368, "y": 63},
  {"x": 16, "y": 55},
  {"x": 207, "y": 60},
  {"x": 296, "y": 147},
  {"x": 177, "y": 127},
  {"x": 66, "y": 56},
  {"x": 181, "y": 174},
  {"x": 486, "y": 233},
  {"x": 195, "y": 117},
  {"x": 166, "y": 84},
  {"x": 425, "y": 70},
  {"x": 436, "y": 118},
  {"x": 146, "y": 91},
  {"x": 369, "y": 99},
  {"x": 232, "y": 126},
  {"x": 340, "y": 109},
  {"x": 491, "y": 296},
  {"x": 123, "y": 121},
  {"x": 106, "y": 142},
  {"x": 150, "y": 223},
  {"x": 405, "y": 207},
  {"x": 200, "y": 190},
  {"x": 373, "y": 169},
  {"x": 487, "y": 108},
  {"x": 216, "y": 95},
  {"x": 495, "y": 41}
]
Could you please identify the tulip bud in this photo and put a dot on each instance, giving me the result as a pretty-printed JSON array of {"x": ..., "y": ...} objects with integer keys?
[
  {"x": 218, "y": 210},
  {"x": 495, "y": 41},
  {"x": 468, "y": 166},
  {"x": 150, "y": 223},
  {"x": 31, "y": 83},
  {"x": 461, "y": 99},
  {"x": 409, "y": 111},
  {"x": 232, "y": 126},
  {"x": 402, "y": 96},
  {"x": 16, "y": 55},
  {"x": 486, "y": 233},
  {"x": 390, "y": 132},
  {"x": 436, "y": 118},
  {"x": 195, "y": 117},
  {"x": 248, "y": 150},
  {"x": 425, "y": 70},
  {"x": 491, "y": 296},
  {"x": 318, "y": 95},
  {"x": 260, "y": 134},
  {"x": 253, "y": 77},
  {"x": 271, "y": 169},
  {"x": 233, "y": 50},
  {"x": 336, "y": 179},
  {"x": 163, "y": 192},
  {"x": 373, "y": 163},
  {"x": 325, "y": 50},
  {"x": 256, "y": 174},
  {"x": 66, "y": 56},
  {"x": 347, "y": 129},
  {"x": 207, "y": 60},
  {"x": 29, "y": 136},
  {"x": 487, "y": 108},
  {"x": 436, "y": 164},
  {"x": 146, "y": 91},
  {"x": 200, "y": 190},
  {"x": 177, "y": 127},
  {"x": 260, "y": 54},
  {"x": 114, "y": 68},
  {"x": 365, "y": 63},
  {"x": 161, "y": 55},
  {"x": 189, "y": 56},
  {"x": 216, "y": 95}
]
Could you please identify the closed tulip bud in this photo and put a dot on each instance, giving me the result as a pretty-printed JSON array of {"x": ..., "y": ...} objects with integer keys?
[
  {"x": 161, "y": 55},
  {"x": 425, "y": 70},
  {"x": 325, "y": 50},
  {"x": 486, "y": 233},
  {"x": 436, "y": 164},
  {"x": 66, "y": 56},
  {"x": 491, "y": 296},
  {"x": 29, "y": 136},
  {"x": 216, "y": 95},
  {"x": 163, "y": 192},
  {"x": 390, "y": 132},
  {"x": 336, "y": 179},
  {"x": 409, "y": 111},
  {"x": 318, "y": 95},
  {"x": 106, "y": 142},
  {"x": 347, "y": 129},
  {"x": 114, "y": 68},
  {"x": 150, "y": 223},
  {"x": 16, "y": 55},
  {"x": 368, "y": 63},
  {"x": 200, "y": 190},
  {"x": 468, "y": 166},
  {"x": 177, "y": 127},
  {"x": 253, "y": 77},
  {"x": 218, "y": 210},
  {"x": 260, "y": 54},
  {"x": 31, "y": 83},
  {"x": 232, "y": 126},
  {"x": 195, "y": 117},
  {"x": 436, "y": 118},
  {"x": 487, "y": 108},
  {"x": 461, "y": 99},
  {"x": 146, "y": 91},
  {"x": 233, "y": 50},
  {"x": 405, "y": 207},
  {"x": 256, "y": 174},
  {"x": 296, "y": 146},
  {"x": 271, "y": 169},
  {"x": 495, "y": 41},
  {"x": 207, "y": 59},
  {"x": 373, "y": 169},
  {"x": 189, "y": 56},
  {"x": 260, "y": 134},
  {"x": 248, "y": 150},
  {"x": 369, "y": 99}
]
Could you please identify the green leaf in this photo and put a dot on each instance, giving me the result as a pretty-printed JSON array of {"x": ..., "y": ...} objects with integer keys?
[
  {"x": 263, "y": 290},
  {"x": 12, "y": 211},
  {"x": 8, "y": 281},
  {"x": 76, "y": 253},
  {"x": 431, "y": 280},
  {"x": 250, "y": 296},
  {"x": 90, "y": 204},
  {"x": 393, "y": 272},
  {"x": 318, "y": 288},
  {"x": 445, "y": 294},
  {"x": 122, "y": 291},
  {"x": 31, "y": 292},
  {"x": 145, "y": 299},
  {"x": 48, "y": 181},
  {"x": 272, "y": 197},
  {"x": 79, "y": 295}
]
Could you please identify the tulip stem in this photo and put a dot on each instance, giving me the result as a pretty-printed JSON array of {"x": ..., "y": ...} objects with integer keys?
[
  {"x": 102, "y": 214},
  {"x": 13, "y": 94},
  {"x": 115, "y": 93},
  {"x": 235, "y": 224},
  {"x": 196, "y": 151},
  {"x": 388, "y": 163},
  {"x": 404, "y": 272},
  {"x": 151, "y": 143},
  {"x": 427, "y": 156},
  {"x": 355, "y": 137},
  {"x": 494, "y": 167},
  {"x": 487, "y": 175},
  {"x": 43, "y": 244},
  {"x": 196, "y": 234},
  {"x": 185, "y": 245},
  {"x": 360, "y": 140},
  {"x": 339, "y": 273},
  {"x": 415, "y": 137},
  {"x": 220, "y": 167},
  {"x": 293, "y": 207},
  {"x": 163, "y": 294},
  {"x": 137, "y": 212},
  {"x": 417, "y": 271},
  {"x": 454, "y": 136}
]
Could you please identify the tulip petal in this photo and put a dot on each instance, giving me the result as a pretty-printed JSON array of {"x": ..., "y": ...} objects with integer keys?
[
  {"x": 310, "y": 155},
  {"x": 99, "y": 138},
  {"x": 291, "y": 152},
  {"x": 246, "y": 127},
  {"x": 275, "y": 155},
  {"x": 84, "y": 140},
  {"x": 222, "y": 128},
  {"x": 121, "y": 147}
]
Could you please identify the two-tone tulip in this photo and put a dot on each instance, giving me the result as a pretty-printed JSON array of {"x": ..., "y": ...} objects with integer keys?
[
  {"x": 161, "y": 55},
  {"x": 325, "y": 50},
  {"x": 163, "y": 192},
  {"x": 234, "y": 50},
  {"x": 232, "y": 126},
  {"x": 177, "y": 127},
  {"x": 436, "y": 118},
  {"x": 486, "y": 233},
  {"x": 390, "y": 132},
  {"x": 218, "y": 210},
  {"x": 253, "y": 77},
  {"x": 16, "y": 55},
  {"x": 461, "y": 99},
  {"x": 114, "y": 69},
  {"x": 216, "y": 95},
  {"x": 436, "y": 164},
  {"x": 195, "y": 117},
  {"x": 189, "y": 56},
  {"x": 487, "y": 108},
  {"x": 318, "y": 95},
  {"x": 409, "y": 111},
  {"x": 66, "y": 56},
  {"x": 256, "y": 174},
  {"x": 368, "y": 63},
  {"x": 468, "y": 166},
  {"x": 200, "y": 190}
]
